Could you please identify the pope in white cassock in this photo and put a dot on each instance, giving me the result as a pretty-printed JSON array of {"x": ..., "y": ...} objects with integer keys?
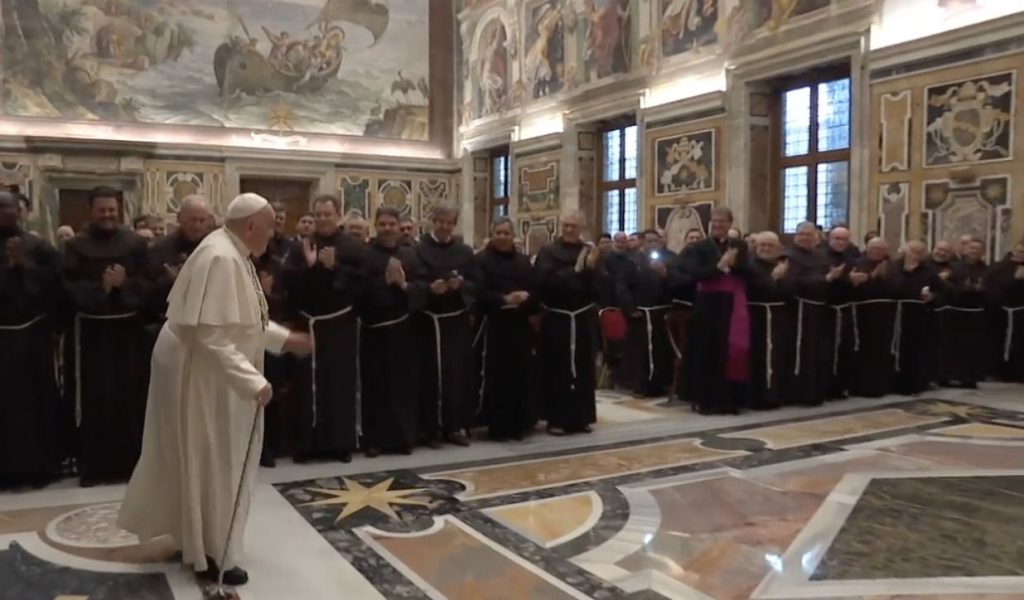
[{"x": 204, "y": 393}]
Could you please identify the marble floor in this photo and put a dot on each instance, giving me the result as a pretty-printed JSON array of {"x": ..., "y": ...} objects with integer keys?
[{"x": 897, "y": 498}]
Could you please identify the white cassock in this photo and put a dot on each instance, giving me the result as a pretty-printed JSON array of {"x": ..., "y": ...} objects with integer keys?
[{"x": 206, "y": 371}]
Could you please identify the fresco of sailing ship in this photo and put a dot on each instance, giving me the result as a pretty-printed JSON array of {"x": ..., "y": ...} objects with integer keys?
[{"x": 297, "y": 64}]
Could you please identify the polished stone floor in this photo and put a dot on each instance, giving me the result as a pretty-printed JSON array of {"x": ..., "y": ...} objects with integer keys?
[{"x": 898, "y": 498}]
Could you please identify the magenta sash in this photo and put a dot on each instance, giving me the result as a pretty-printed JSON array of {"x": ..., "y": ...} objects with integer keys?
[{"x": 737, "y": 367}]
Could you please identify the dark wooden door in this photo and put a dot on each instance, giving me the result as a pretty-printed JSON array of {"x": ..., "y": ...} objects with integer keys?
[
  {"x": 294, "y": 194},
  {"x": 74, "y": 208}
]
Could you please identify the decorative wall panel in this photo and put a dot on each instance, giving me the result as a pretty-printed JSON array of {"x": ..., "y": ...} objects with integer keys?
[
  {"x": 970, "y": 120},
  {"x": 684, "y": 163},
  {"x": 539, "y": 186},
  {"x": 979, "y": 210},
  {"x": 397, "y": 193},
  {"x": 894, "y": 211},
  {"x": 537, "y": 232},
  {"x": 355, "y": 195},
  {"x": 896, "y": 114}
]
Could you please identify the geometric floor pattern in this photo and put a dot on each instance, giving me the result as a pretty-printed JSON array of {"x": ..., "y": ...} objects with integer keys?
[{"x": 900, "y": 498}]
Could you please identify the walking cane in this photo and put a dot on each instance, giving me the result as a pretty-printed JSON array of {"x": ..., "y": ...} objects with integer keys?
[{"x": 220, "y": 592}]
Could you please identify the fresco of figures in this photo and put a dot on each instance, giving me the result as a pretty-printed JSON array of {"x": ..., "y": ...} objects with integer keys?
[
  {"x": 351, "y": 67},
  {"x": 517, "y": 52}
]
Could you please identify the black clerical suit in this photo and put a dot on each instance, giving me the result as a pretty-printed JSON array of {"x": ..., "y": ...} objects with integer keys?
[
  {"x": 507, "y": 401},
  {"x": 30, "y": 295},
  {"x": 324, "y": 414},
  {"x": 568, "y": 335},
  {"x": 107, "y": 364},
  {"x": 720, "y": 371}
]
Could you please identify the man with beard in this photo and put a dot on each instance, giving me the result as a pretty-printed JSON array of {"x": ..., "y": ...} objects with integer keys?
[
  {"x": 841, "y": 253},
  {"x": 506, "y": 298},
  {"x": 106, "y": 273},
  {"x": 874, "y": 317},
  {"x": 568, "y": 287},
  {"x": 168, "y": 254},
  {"x": 811, "y": 274},
  {"x": 721, "y": 327},
  {"x": 407, "y": 227},
  {"x": 770, "y": 293},
  {"x": 30, "y": 292},
  {"x": 961, "y": 322},
  {"x": 393, "y": 289},
  {"x": 445, "y": 331},
  {"x": 1006, "y": 285},
  {"x": 682, "y": 288},
  {"x": 645, "y": 300},
  {"x": 912, "y": 281},
  {"x": 323, "y": 275}
]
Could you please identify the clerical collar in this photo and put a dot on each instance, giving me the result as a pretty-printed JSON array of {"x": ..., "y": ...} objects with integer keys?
[
  {"x": 237, "y": 241},
  {"x": 434, "y": 237}
]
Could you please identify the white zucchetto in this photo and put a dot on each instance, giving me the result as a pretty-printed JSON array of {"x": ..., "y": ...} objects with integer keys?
[{"x": 245, "y": 205}]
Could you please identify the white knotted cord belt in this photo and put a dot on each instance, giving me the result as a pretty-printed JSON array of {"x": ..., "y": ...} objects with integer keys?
[
  {"x": 769, "y": 342},
  {"x": 436, "y": 318},
  {"x": 313, "y": 320},
  {"x": 572, "y": 314}
]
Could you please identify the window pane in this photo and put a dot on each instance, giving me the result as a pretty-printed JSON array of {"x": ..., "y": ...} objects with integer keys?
[
  {"x": 834, "y": 115},
  {"x": 612, "y": 212},
  {"x": 631, "y": 152},
  {"x": 796, "y": 116},
  {"x": 612, "y": 154},
  {"x": 499, "y": 176},
  {"x": 500, "y": 210},
  {"x": 632, "y": 210},
  {"x": 794, "y": 197},
  {"x": 833, "y": 193}
]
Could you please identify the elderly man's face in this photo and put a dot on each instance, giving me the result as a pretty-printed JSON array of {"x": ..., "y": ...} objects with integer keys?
[
  {"x": 943, "y": 252},
  {"x": 768, "y": 249},
  {"x": 839, "y": 239},
  {"x": 571, "y": 229},
  {"x": 620, "y": 241},
  {"x": 975, "y": 251},
  {"x": 877, "y": 252}
]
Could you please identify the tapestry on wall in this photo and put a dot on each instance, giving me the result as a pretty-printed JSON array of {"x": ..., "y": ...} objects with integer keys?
[
  {"x": 351, "y": 67},
  {"x": 677, "y": 220},
  {"x": 969, "y": 121},
  {"x": 685, "y": 163},
  {"x": 544, "y": 62}
]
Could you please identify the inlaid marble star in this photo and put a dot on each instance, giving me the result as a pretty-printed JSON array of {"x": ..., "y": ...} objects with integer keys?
[
  {"x": 965, "y": 411},
  {"x": 356, "y": 497}
]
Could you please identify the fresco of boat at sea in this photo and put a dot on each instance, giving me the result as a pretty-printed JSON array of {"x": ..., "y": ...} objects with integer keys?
[{"x": 342, "y": 67}]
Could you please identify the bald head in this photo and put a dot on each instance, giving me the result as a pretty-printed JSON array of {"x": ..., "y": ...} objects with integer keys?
[
  {"x": 356, "y": 227},
  {"x": 943, "y": 252},
  {"x": 877, "y": 249},
  {"x": 767, "y": 246},
  {"x": 839, "y": 239},
  {"x": 572, "y": 226},
  {"x": 914, "y": 252},
  {"x": 193, "y": 216}
]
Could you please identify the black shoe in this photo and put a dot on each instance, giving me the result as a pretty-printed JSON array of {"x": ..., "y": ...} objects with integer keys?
[
  {"x": 458, "y": 440},
  {"x": 371, "y": 452},
  {"x": 345, "y": 457},
  {"x": 88, "y": 482},
  {"x": 268, "y": 462},
  {"x": 233, "y": 577}
]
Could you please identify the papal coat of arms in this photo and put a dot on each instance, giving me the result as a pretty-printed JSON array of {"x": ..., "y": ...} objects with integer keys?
[
  {"x": 970, "y": 121},
  {"x": 686, "y": 163}
]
